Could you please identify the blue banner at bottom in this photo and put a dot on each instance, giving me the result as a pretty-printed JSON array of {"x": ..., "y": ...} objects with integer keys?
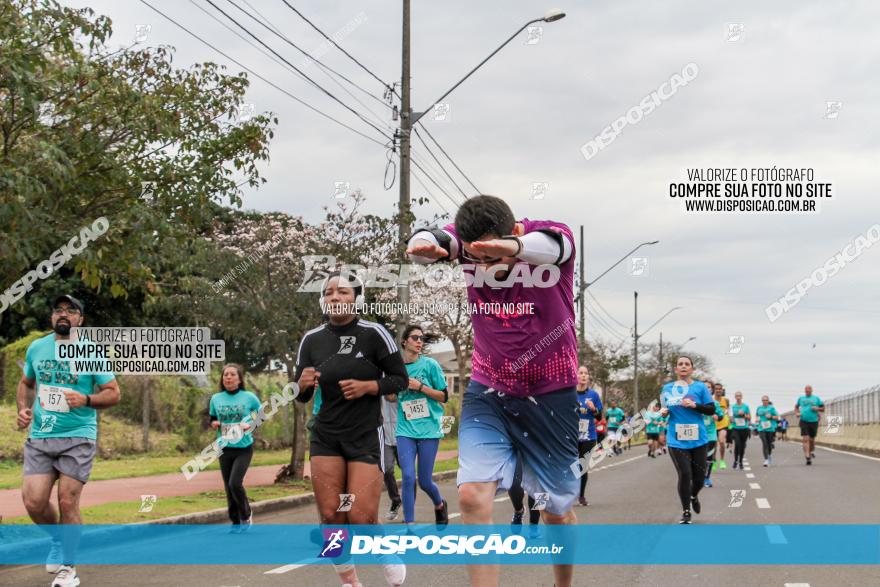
[{"x": 617, "y": 544}]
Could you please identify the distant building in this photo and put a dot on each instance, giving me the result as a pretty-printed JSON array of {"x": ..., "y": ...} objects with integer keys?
[{"x": 449, "y": 364}]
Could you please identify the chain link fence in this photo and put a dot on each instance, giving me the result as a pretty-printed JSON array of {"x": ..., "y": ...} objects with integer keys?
[{"x": 860, "y": 407}]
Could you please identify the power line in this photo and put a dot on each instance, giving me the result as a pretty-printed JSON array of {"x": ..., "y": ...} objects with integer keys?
[
  {"x": 616, "y": 321},
  {"x": 454, "y": 164},
  {"x": 423, "y": 167},
  {"x": 431, "y": 179},
  {"x": 393, "y": 90},
  {"x": 434, "y": 198},
  {"x": 433, "y": 156},
  {"x": 430, "y": 165},
  {"x": 324, "y": 67},
  {"x": 349, "y": 55},
  {"x": 260, "y": 77},
  {"x": 313, "y": 82}
]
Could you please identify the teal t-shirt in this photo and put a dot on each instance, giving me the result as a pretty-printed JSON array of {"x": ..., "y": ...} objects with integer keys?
[
  {"x": 652, "y": 422},
  {"x": 615, "y": 418},
  {"x": 426, "y": 414},
  {"x": 52, "y": 378},
  {"x": 807, "y": 403},
  {"x": 709, "y": 422},
  {"x": 742, "y": 416},
  {"x": 765, "y": 423},
  {"x": 231, "y": 408}
]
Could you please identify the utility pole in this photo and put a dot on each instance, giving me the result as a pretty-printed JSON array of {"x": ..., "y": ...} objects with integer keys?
[
  {"x": 405, "y": 129},
  {"x": 582, "y": 344},
  {"x": 662, "y": 366},
  {"x": 636, "y": 353}
]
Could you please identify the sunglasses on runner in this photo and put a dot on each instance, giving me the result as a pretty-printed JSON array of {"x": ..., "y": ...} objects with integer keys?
[
  {"x": 416, "y": 337},
  {"x": 471, "y": 259}
]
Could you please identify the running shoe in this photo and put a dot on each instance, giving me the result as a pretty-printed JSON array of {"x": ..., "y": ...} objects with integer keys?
[
  {"x": 236, "y": 529},
  {"x": 441, "y": 516},
  {"x": 53, "y": 561},
  {"x": 685, "y": 517},
  {"x": 583, "y": 501},
  {"x": 812, "y": 455},
  {"x": 393, "y": 511},
  {"x": 246, "y": 524},
  {"x": 394, "y": 570},
  {"x": 723, "y": 464},
  {"x": 809, "y": 461},
  {"x": 534, "y": 531},
  {"x": 707, "y": 483},
  {"x": 695, "y": 504},
  {"x": 715, "y": 466},
  {"x": 517, "y": 517},
  {"x": 770, "y": 460},
  {"x": 766, "y": 462},
  {"x": 66, "y": 577}
]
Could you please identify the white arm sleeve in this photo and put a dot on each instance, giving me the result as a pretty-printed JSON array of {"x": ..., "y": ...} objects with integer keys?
[
  {"x": 426, "y": 235},
  {"x": 540, "y": 248}
]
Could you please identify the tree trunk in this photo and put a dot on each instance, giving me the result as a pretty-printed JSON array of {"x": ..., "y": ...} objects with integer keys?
[
  {"x": 295, "y": 468},
  {"x": 145, "y": 414}
]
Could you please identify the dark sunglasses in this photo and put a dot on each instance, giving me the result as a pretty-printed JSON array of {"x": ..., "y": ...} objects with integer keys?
[{"x": 416, "y": 337}]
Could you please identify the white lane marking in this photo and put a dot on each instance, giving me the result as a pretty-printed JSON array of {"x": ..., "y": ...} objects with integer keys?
[
  {"x": 285, "y": 569},
  {"x": 846, "y": 452},
  {"x": 747, "y": 468},
  {"x": 455, "y": 515},
  {"x": 754, "y": 486},
  {"x": 619, "y": 463},
  {"x": 762, "y": 503},
  {"x": 497, "y": 499},
  {"x": 797, "y": 585},
  {"x": 750, "y": 475}
]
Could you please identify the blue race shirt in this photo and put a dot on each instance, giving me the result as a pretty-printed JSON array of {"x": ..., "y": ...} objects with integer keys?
[
  {"x": 587, "y": 415},
  {"x": 671, "y": 398}
]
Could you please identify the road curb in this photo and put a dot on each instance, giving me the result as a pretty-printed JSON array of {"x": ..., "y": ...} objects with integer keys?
[
  {"x": 103, "y": 536},
  {"x": 262, "y": 507}
]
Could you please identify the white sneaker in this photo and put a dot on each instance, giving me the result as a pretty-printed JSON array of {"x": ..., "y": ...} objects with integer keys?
[
  {"x": 246, "y": 524},
  {"x": 53, "y": 561},
  {"x": 766, "y": 462},
  {"x": 66, "y": 577},
  {"x": 395, "y": 571}
]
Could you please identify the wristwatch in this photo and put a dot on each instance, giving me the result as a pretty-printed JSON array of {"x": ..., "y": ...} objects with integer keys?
[{"x": 89, "y": 401}]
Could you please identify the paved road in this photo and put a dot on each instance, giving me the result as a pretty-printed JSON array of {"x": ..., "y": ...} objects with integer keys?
[
  {"x": 165, "y": 485},
  {"x": 839, "y": 488}
]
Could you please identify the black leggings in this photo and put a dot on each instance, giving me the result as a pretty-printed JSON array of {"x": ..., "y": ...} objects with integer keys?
[
  {"x": 711, "y": 448},
  {"x": 516, "y": 494},
  {"x": 740, "y": 437},
  {"x": 767, "y": 443},
  {"x": 234, "y": 463},
  {"x": 690, "y": 464},
  {"x": 584, "y": 447}
]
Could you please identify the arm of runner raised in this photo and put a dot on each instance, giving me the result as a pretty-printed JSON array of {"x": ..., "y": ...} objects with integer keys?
[
  {"x": 428, "y": 246},
  {"x": 545, "y": 247}
]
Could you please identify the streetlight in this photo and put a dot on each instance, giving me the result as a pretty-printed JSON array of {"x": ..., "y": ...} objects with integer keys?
[
  {"x": 636, "y": 337},
  {"x": 662, "y": 364},
  {"x": 408, "y": 119},
  {"x": 687, "y": 341},
  {"x": 583, "y": 285}
]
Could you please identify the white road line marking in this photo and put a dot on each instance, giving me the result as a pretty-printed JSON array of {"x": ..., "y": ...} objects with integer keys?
[
  {"x": 754, "y": 486},
  {"x": 750, "y": 475},
  {"x": 455, "y": 515},
  {"x": 846, "y": 452},
  {"x": 285, "y": 569},
  {"x": 497, "y": 499},
  {"x": 797, "y": 585},
  {"x": 762, "y": 503},
  {"x": 747, "y": 468}
]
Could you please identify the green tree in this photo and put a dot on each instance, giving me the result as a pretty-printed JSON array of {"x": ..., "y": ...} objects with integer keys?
[{"x": 84, "y": 129}]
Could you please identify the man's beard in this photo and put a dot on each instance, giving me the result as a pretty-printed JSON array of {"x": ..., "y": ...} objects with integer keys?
[{"x": 62, "y": 328}]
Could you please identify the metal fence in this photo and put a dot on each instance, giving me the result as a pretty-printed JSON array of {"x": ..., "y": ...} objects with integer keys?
[{"x": 861, "y": 407}]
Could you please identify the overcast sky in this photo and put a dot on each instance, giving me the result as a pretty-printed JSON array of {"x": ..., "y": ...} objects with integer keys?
[{"x": 757, "y": 101}]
